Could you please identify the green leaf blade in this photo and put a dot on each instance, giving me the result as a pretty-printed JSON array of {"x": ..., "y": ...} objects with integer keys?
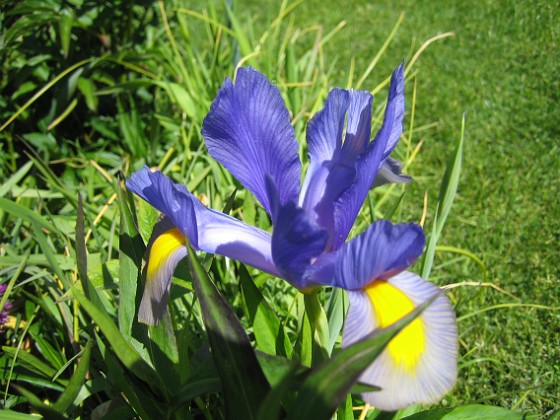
[{"x": 243, "y": 381}]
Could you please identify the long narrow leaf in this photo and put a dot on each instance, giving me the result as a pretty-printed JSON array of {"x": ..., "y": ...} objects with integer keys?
[
  {"x": 466, "y": 412},
  {"x": 43, "y": 409},
  {"x": 319, "y": 326},
  {"x": 124, "y": 351},
  {"x": 81, "y": 256},
  {"x": 447, "y": 193},
  {"x": 243, "y": 381},
  {"x": 269, "y": 332},
  {"x": 23, "y": 212},
  {"x": 132, "y": 251},
  {"x": 76, "y": 382},
  {"x": 336, "y": 311}
]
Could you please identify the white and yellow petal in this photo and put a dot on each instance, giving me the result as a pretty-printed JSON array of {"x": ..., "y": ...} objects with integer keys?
[
  {"x": 166, "y": 249},
  {"x": 420, "y": 364}
]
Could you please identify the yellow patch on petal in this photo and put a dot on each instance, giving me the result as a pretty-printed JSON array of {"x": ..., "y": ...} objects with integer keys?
[
  {"x": 163, "y": 246},
  {"x": 390, "y": 305}
]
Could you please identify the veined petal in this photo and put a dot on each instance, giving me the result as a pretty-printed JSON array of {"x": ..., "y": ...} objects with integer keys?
[
  {"x": 327, "y": 184},
  {"x": 347, "y": 206},
  {"x": 382, "y": 251},
  {"x": 248, "y": 131},
  {"x": 208, "y": 230},
  {"x": 358, "y": 126},
  {"x": 165, "y": 250},
  {"x": 420, "y": 364},
  {"x": 391, "y": 129},
  {"x": 326, "y": 128},
  {"x": 224, "y": 235},
  {"x": 332, "y": 167}
]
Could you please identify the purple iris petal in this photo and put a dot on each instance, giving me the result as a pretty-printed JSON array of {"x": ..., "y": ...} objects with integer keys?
[
  {"x": 173, "y": 200},
  {"x": 358, "y": 126},
  {"x": 391, "y": 129},
  {"x": 332, "y": 166},
  {"x": 296, "y": 241},
  {"x": 207, "y": 229},
  {"x": 224, "y": 235},
  {"x": 347, "y": 206},
  {"x": 248, "y": 131},
  {"x": 381, "y": 252},
  {"x": 326, "y": 128},
  {"x": 390, "y": 173}
]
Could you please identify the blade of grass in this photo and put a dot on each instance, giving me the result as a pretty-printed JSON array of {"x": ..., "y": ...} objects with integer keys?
[
  {"x": 124, "y": 351},
  {"x": 319, "y": 326},
  {"x": 65, "y": 401},
  {"x": 269, "y": 332},
  {"x": 25, "y": 213},
  {"x": 46, "y": 411},
  {"x": 447, "y": 193}
]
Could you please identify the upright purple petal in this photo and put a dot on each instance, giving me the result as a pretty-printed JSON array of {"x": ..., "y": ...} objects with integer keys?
[
  {"x": 358, "y": 126},
  {"x": 347, "y": 206},
  {"x": 336, "y": 136},
  {"x": 248, "y": 131},
  {"x": 208, "y": 230},
  {"x": 326, "y": 128},
  {"x": 382, "y": 251},
  {"x": 391, "y": 129}
]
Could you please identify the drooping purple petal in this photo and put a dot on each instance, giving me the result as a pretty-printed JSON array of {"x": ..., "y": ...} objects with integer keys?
[
  {"x": 248, "y": 131},
  {"x": 336, "y": 136},
  {"x": 208, "y": 230},
  {"x": 382, "y": 251},
  {"x": 173, "y": 200},
  {"x": 224, "y": 235},
  {"x": 409, "y": 371},
  {"x": 347, "y": 206},
  {"x": 296, "y": 243}
]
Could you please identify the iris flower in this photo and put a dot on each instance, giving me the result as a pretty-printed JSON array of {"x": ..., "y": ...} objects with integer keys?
[{"x": 248, "y": 131}]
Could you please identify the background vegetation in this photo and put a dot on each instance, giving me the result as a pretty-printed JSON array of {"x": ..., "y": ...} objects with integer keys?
[{"x": 92, "y": 91}]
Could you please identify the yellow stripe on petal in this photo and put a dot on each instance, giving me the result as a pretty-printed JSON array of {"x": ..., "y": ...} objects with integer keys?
[
  {"x": 389, "y": 305},
  {"x": 162, "y": 248}
]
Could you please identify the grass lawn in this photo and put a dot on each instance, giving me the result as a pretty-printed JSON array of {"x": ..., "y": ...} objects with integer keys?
[{"x": 501, "y": 69}]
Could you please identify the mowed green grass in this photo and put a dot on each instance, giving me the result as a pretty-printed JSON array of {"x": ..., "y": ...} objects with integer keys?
[{"x": 501, "y": 69}]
